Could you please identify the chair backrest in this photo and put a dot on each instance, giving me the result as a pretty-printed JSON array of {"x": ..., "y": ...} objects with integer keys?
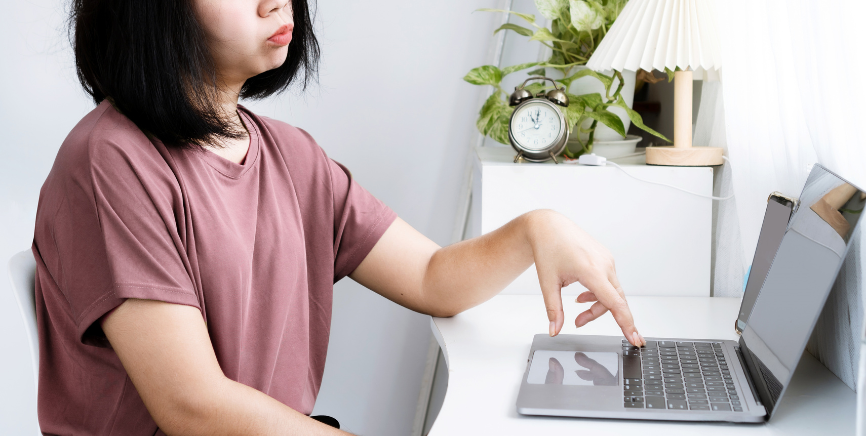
[{"x": 22, "y": 270}]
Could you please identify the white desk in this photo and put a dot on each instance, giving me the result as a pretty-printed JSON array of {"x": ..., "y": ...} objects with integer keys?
[{"x": 486, "y": 350}]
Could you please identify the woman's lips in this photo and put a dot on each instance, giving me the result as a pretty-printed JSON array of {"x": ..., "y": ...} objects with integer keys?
[{"x": 282, "y": 36}]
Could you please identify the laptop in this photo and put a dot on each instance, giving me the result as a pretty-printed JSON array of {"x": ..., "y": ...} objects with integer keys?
[{"x": 699, "y": 379}]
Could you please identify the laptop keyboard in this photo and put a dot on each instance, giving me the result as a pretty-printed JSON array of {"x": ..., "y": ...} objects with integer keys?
[{"x": 679, "y": 376}]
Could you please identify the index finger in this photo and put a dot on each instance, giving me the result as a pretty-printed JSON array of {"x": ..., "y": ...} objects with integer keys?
[{"x": 615, "y": 302}]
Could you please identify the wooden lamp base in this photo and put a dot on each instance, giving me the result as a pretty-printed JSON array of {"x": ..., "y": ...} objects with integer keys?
[{"x": 684, "y": 156}]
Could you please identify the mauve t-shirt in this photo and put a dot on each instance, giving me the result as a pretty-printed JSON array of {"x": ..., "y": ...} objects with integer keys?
[{"x": 255, "y": 246}]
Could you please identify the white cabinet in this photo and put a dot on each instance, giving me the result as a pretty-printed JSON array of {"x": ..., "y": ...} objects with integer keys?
[{"x": 659, "y": 236}]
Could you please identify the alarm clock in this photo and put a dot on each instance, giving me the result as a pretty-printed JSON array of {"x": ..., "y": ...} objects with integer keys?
[{"x": 537, "y": 129}]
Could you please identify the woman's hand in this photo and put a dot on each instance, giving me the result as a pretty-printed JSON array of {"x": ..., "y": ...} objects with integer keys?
[{"x": 565, "y": 254}]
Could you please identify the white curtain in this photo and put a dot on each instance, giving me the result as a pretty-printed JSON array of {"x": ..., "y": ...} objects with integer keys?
[{"x": 791, "y": 95}]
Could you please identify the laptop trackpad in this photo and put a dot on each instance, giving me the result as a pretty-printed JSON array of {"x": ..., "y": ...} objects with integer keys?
[{"x": 576, "y": 368}]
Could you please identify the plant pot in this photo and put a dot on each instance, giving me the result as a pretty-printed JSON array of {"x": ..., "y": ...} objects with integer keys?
[{"x": 589, "y": 85}]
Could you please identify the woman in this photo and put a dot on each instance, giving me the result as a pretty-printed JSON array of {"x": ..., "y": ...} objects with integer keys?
[{"x": 187, "y": 248}]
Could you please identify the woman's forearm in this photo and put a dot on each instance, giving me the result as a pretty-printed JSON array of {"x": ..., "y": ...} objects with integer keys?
[
  {"x": 467, "y": 273},
  {"x": 231, "y": 408}
]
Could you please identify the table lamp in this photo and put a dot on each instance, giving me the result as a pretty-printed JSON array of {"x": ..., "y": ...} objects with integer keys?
[{"x": 667, "y": 34}]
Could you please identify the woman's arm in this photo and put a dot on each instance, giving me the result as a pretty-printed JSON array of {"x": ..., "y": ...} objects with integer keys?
[
  {"x": 409, "y": 269},
  {"x": 166, "y": 350}
]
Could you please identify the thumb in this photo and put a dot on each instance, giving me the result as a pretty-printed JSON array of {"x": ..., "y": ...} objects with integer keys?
[{"x": 551, "y": 290}]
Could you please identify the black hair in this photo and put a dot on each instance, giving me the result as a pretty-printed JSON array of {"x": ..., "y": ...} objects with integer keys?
[{"x": 151, "y": 60}]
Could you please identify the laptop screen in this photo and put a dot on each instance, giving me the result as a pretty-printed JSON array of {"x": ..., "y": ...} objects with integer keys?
[{"x": 799, "y": 280}]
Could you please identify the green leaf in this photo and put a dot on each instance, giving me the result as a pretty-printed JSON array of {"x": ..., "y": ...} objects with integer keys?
[
  {"x": 573, "y": 112},
  {"x": 508, "y": 70},
  {"x": 584, "y": 17},
  {"x": 528, "y": 17},
  {"x": 613, "y": 8},
  {"x": 671, "y": 74},
  {"x": 637, "y": 120},
  {"x": 607, "y": 81},
  {"x": 538, "y": 72},
  {"x": 484, "y": 75},
  {"x": 591, "y": 101},
  {"x": 519, "y": 29},
  {"x": 494, "y": 117},
  {"x": 551, "y": 9},
  {"x": 609, "y": 119},
  {"x": 537, "y": 87},
  {"x": 543, "y": 34}
]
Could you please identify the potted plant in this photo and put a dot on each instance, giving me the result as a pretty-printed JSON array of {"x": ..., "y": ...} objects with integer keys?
[{"x": 576, "y": 28}]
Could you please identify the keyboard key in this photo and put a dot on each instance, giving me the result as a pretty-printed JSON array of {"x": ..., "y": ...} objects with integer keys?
[
  {"x": 675, "y": 397},
  {"x": 720, "y": 407},
  {"x": 709, "y": 379},
  {"x": 698, "y": 407},
  {"x": 691, "y": 370},
  {"x": 671, "y": 371},
  {"x": 695, "y": 390},
  {"x": 633, "y": 405},
  {"x": 667, "y": 344},
  {"x": 674, "y": 386},
  {"x": 678, "y": 405},
  {"x": 734, "y": 397},
  {"x": 652, "y": 372},
  {"x": 719, "y": 400},
  {"x": 652, "y": 377},
  {"x": 716, "y": 389},
  {"x": 735, "y": 403},
  {"x": 696, "y": 396},
  {"x": 649, "y": 383},
  {"x": 738, "y": 409},
  {"x": 631, "y": 381},
  {"x": 690, "y": 365},
  {"x": 651, "y": 344},
  {"x": 654, "y": 393},
  {"x": 630, "y": 366},
  {"x": 698, "y": 401},
  {"x": 675, "y": 391},
  {"x": 655, "y": 403}
]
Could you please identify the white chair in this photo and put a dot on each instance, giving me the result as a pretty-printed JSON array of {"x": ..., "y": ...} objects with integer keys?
[{"x": 22, "y": 270}]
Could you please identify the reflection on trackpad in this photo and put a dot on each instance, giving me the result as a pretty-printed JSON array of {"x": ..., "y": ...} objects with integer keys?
[{"x": 574, "y": 368}]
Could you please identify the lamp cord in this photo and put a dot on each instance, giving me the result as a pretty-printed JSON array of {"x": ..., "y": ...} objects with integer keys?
[{"x": 672, "y": 186}]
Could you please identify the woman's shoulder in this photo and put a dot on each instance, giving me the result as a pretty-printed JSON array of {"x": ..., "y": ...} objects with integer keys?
[
  {"x": 105, "y": 139},
  {"x": 287, "y": 137}
]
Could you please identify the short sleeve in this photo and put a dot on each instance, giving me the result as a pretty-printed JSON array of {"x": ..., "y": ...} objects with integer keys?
[
  {"x": 116, "y": 235},
  {"x": 360, "y": 219}
]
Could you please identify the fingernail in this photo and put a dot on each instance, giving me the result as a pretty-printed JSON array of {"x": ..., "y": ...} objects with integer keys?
[
  {"x": 635, "y": 339},
  {"x": 553, "y": 328},
  {"x": 642, "y": 340},
  {"x": 576, "y": 300}
]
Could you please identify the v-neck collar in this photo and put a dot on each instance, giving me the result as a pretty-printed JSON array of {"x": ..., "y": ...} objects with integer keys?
[{"x": 231, "y": 169}]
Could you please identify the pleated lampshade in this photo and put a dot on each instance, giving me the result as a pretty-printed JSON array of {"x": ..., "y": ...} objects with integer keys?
[
  {"x": 659, "y": 34},
  {"x": 666, "y": 34}
]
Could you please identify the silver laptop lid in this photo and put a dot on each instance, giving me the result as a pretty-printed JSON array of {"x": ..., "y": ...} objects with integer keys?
[{"x": 798, "y": 282}]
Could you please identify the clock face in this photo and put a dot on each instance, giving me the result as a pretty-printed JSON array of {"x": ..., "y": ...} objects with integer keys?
[{"x": 535, "y": 126}]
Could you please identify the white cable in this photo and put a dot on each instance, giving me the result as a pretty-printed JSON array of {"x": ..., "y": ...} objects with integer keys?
[
  {"x": 627, "y": 155},
  {"x": 675, "y": 187}
]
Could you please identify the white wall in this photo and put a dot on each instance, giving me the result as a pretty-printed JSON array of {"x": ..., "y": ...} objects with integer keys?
[{"x": 391, "y": 106}]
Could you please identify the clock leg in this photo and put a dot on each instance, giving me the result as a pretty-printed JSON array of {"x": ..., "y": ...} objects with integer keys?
[
  {"x": 519, "y": 157},
  {"x": 553, "y": 157}
]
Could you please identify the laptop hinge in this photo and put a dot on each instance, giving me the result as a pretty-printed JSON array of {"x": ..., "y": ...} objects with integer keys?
[{"x": 756, "y": 382}]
